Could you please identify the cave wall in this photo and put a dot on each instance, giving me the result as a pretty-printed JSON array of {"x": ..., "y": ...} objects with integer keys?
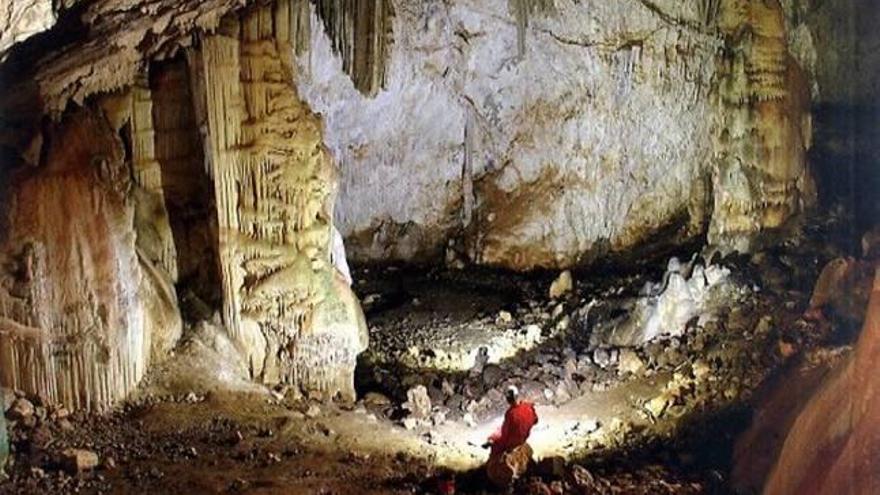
[
  {"x": 846, "y": 69},
  {"x": 833, "y": 445},
  {"x": 603, "y": 127},
  {"x": 83, "y": 310}
]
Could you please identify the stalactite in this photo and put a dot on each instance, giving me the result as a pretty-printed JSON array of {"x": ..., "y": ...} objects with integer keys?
[
  {"x": 522, "y": 10},
  {"x": 359, "y": 31}
]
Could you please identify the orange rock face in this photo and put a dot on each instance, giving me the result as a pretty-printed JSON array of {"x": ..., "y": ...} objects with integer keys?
[
  {"x": 71, "y": 325},
  {"x": 834, "y": 445}
]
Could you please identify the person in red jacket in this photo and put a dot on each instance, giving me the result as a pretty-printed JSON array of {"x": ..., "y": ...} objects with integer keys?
[{"x": 510, "y": 454}]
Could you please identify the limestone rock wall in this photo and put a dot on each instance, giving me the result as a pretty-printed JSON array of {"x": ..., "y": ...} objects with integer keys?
[{"x": 548, "y": 136}]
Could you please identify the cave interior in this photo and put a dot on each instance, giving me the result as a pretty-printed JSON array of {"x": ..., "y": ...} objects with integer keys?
[{"x": 308, "y": 246}]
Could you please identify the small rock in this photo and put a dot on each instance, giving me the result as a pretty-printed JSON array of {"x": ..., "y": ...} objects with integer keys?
[
  {"x": 376, "y": 399},
  {"x": 552, "y": 467},
  {"x": 60, "y": 413},
  {"x": 537, "y": 487},
  {"x": 582, "y": 479},
  {"x": 313, "y": 411},
  {"x": 701, "y": 370},
  {"x": 563, "y": 323},
  {"x": 109, "y": 464},
  {"x": 240, "y": 484},
  {"x": 469, "y": 420},
  {"x": 562, "y": 285},
  {"x": 20, "y": 410},
  {"x": 76, "y": 461},
  {"x": 630, "y": 362},
  {"x": 438, "y": 418},
  {"x": 417, "y": 402},
  {"x": 657, "y": 405},
  {"x": 503, "y": 318},
  {"x": 492, "y": 374},
  {"x": 601, "y": 358},
  {"x": 786, "y": 349}
]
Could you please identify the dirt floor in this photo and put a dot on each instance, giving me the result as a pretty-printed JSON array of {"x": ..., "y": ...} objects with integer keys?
[{"x": 655, "y": 417}]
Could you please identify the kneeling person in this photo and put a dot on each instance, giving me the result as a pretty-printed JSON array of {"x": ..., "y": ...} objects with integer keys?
[{"x": 510, "y": 454}]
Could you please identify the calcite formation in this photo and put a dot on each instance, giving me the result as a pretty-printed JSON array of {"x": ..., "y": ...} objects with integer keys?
[
  {"x": 284, "y": 302},
  {"x": 79, "y": 303},
  {"x": 199, "y": 165},
  {"x": 688, "y": 293},
  {"x": 760, "y": 178},
  {"x": 359, "y": 30},
  {"x": 22, "y": 19},
  {"x": 4, "y": 438}
]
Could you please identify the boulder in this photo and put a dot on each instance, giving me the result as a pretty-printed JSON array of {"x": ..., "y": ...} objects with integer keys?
[
  {"x": 76, "y": 461},
  {"x": 562, "y": 285},
  {"x": 505, "y": 468},
  {"x": 832, "y": 444},
  {"x": 20, "y": 410},
  {"x": 630, "y": 362}
]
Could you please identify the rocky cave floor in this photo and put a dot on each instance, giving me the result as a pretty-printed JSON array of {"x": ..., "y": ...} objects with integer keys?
[{"x": 655, "y": 417}]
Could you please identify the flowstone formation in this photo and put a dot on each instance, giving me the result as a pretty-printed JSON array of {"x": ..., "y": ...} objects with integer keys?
[
  {"x": 20, "y": 20},
  {"x": 760, "y": 180},
  {"x": 284, "y": 302},
  {"x": 83, "y": 309}
]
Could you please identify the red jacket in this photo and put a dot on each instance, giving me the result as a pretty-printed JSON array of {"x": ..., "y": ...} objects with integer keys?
[{"x": 518, "y": 422}]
